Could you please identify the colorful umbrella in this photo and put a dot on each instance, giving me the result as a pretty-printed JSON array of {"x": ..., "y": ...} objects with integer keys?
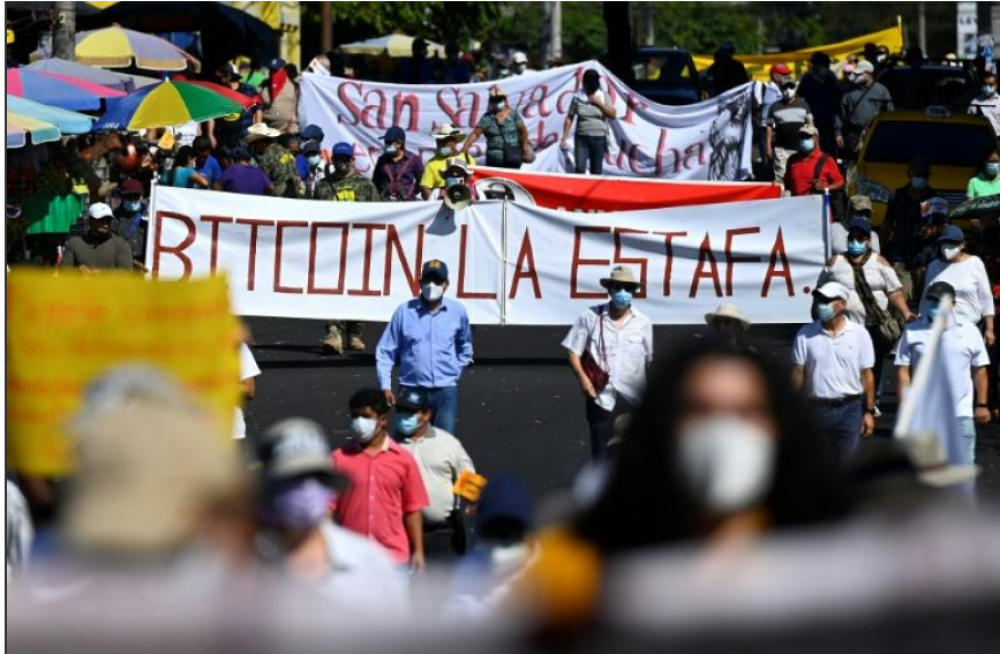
[
  {"x": 84, "y": 72},
  {"x": 166, "y": 104},
  {"x": 20, "y": 126},
  {"x": 57, "y": 90},
  {"x": 68, "y": 122},
  {"x": 115, "y": 47},
  {"x": 245, "y": 101}
]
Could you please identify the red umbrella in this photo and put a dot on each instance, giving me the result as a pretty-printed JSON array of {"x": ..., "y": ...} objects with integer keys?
[{"x": 245, "y": 101}]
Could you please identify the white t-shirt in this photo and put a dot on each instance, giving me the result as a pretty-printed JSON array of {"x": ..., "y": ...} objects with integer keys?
[
  {"x": 962, "y": 349},
  {"x": 248, "y": 369},
  {"x": 363, "y": 576},
  {"x": 882, "y": 279},
  {"x": 628, "y": 350},
  {"x": 973, "y": 295},
  {"x": 833, "y": 365},
  {"x": 185, "y": 134}
]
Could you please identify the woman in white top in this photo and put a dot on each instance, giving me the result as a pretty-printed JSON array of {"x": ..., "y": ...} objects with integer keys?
[
  {"x": 885, "y": 287},
  {"x": 967, "y": 275}
]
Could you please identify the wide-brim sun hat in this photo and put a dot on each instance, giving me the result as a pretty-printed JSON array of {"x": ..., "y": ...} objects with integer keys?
[
  {"x": 730, "y": 311},
  {"x": 620, "y": 275}
]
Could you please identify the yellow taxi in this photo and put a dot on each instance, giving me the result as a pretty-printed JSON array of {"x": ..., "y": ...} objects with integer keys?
[{"x": 954, "y": 144}]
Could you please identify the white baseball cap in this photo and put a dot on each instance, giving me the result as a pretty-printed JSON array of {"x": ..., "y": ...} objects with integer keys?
[
  {"x": 99, "y": 210},
  {"x": 833, "y": 291}
]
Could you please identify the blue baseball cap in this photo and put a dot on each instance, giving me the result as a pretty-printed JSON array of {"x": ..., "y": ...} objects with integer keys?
[
  {"x": 860, "y": 225},
  {"x": 951, "y": 234},
  {"x": 505, "y": 497},
  {"x": 343, "y": 150},
  {"x": 394, "y": 133},
  {"x": 312, "y": 133},
  {"x": 412, "y": 399},
  {"x": 240, "y": 153},
  {"x": 435, "y": 268},
  {"x": 276, "y": 63}
]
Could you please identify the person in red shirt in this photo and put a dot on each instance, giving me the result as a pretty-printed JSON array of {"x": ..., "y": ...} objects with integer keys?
[
  {"x": 810, "y": 170},
  {"x": 387, "y": 492}
]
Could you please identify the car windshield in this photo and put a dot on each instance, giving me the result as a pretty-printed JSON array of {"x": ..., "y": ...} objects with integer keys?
[
  {"x": 666, "y": 68},
  {"x": 942, "y": 144}
]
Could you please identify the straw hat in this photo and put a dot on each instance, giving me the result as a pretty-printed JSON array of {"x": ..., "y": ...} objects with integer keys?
[
  {"x": 448, "y": 131},
  {"x": 261, "y": 131},
  {"x": 620, "y": 275},
  {"x": 730, "y": 311}
]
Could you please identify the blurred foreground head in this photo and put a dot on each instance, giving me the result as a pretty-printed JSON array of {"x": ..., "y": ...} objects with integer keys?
[
  {"x": 153, "y": 468},
  {"x": 720, "y": 433}
]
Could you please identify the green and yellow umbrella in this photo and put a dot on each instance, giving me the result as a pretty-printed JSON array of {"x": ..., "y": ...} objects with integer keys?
[{"x": 166, "y": 104}]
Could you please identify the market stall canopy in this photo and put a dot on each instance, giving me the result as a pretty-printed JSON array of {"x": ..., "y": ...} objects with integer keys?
[
  {"x": 167, "y": 104},
  {"x": 19, "y": 127},
  {"x": 68, "y": 122},
  {"x": 398, "y": 45},
  {"x": 117, "y": 47},
  {"x": 57, "y": 90},
  {"x": 986, "y": 208}
]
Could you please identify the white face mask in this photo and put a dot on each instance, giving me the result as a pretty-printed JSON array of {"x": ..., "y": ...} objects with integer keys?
[
  {"x": 432, "y": 292},
  {"x": 950, "y": 252},
  {"x": 728, "y": 462},
  {"x": 363, "y": 429}
]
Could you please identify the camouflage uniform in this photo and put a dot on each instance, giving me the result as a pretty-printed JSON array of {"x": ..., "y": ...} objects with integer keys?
[
  {"x": 356, "y": 188},
  {"x": 279, "y": 164}
]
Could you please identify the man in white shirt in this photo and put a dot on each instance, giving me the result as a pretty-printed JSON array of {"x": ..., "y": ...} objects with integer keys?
[
  {"x": 610, "y": 347},
  {"x": 987, "y": 102},
  {"x": 965, "y": 355},
  {"x": 441, "y": 459},
  {"x": 249, "y": 371},
  {"x": 833, "y": 360}
]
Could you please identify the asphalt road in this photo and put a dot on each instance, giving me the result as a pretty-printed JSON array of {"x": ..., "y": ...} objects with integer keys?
[{"x": 520, "y": 408}]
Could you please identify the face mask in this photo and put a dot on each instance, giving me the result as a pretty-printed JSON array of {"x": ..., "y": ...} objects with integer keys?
[
  {"x": 826, "y": 312},
  {"x": 313, "y": 160},
  {"x": 445, "y": 150},
  {"x": 621, "y": 299},
  {"x": 727, "y": 462},
  {"x": 432, "y": 292},
  {"x": 918, "y": 183},
  {"x": 132, "y": 206},
  {"x": 363, "y": 429},
  {"x": 857, "y": 247},
  {"x": 787, "y": 94},
  {"x": 498, "y": 106},
  {"x": 992, "y": 169},
  {"x": 933, "y": 311},
  {"x": 989, "y": 90},
  {"x": 950, "y": 252},
  {"x": 300, "y": 506},
  {"x": 341, "y": 166},
  {"x": 506, "y": 559},
  {"x": 408, "y": 424},
  {"x": 806, "y": 145},
  {"x": 391, "y": 149}
]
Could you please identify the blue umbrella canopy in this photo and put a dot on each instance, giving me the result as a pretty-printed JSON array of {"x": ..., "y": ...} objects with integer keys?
[{"x": 68, "y": 122}]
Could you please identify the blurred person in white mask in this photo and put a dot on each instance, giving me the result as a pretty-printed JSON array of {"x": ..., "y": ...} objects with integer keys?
[{"x": 966, "y": 273}]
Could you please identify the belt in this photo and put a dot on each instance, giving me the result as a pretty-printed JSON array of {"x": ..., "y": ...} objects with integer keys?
[{"x": 834, "y": 401}]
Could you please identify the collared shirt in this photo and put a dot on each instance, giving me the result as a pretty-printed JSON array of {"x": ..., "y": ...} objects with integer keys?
[
  {"x": 362, "y": 576},
  {"x": 441, "y": 459},
  {"x": 432, "y": 349},
  {"x": 801, "y": 173},
  {"x": 384, "y": 488},
  {"x": 973, "y": 291},
  {"x": 963, "y": 349},
  {"x": 881, "y": 278},
  {"x": 398, "y": 180},
  {"x": 433, "y": 176},
  {"x": 833, "y": 363},
  {"x": 988, "y": 108},
  {"x": 627, "y": 351}
]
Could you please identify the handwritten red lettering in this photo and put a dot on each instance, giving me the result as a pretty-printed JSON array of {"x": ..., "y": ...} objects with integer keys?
[
  {"x": 279, "y": 238},
  {"x": 734, "y": 258},
  {"x": 311, "y": 287},
  {"x": 252, "y": 262},
  {"x": 705, "y": 255},
  {"x": 525, "y": 255},
  {"x": 578, "y": 262},
  {"x": 778, "y": 250},
  {"x": 366, "y": 289},
  {"x": 177, "y": 250}
]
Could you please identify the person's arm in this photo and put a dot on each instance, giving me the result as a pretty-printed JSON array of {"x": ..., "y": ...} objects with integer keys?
[
  {"x": 894, "y": 290},
  {"x": 985, "y": 295},
  {"x": 427, "y": 182},
  {"x": 868, "y": 421},
  {"x": 898, "y": 301},
  {"x": 522, "y": 137},
  {"x": 798, "y": 377},
  {"x": 472, "y": 137},
  {"x": 902, "y": 380},
  {"x": 210, "y": 132},
  {"x": 568, "y": 123},
  {"x": 609, "y": 111},
  {"x": 769, "y": 153},
  {"x": 463, "y": 346},
  {"x": 218, "y": 186},
  {"x": 200, "y": 180},
  {"x": 413, "y": 522},
  {"x": 982, "y": 379},
  {"x": 385, "y": 355},
  {"x": 835, "y": 181},
  {"x": 585, "y": 384},
  {"x": 838, "y": 122}
]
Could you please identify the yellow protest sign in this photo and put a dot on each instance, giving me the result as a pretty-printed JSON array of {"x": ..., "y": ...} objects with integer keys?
[
  {"x": 758, "y": 66},
  {"x": 469, "y": 485},
  {"x": 63, "y": 332}
]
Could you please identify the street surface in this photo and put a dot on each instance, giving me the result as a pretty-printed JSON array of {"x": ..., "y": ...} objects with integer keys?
[{"x": 520, "y": 410}]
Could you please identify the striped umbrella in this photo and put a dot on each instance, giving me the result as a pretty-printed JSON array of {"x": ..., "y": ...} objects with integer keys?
[
  {"x": 68, "y": 122},
  {"x": 19, "y": 127},
  {"x": 57, "y": 90},
  {"x": 116, "y": 47},
  {"x": 166, "y": 104},
  {"x": 235, "y": 96}
]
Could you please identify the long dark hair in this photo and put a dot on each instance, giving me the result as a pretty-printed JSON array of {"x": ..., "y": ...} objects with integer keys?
[{"x": 645, "y": 501}]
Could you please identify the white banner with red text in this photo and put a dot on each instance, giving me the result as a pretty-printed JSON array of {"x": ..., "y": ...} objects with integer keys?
[
  {"x": 508, "y": 263},
  {"x": 710, "y": 140}
]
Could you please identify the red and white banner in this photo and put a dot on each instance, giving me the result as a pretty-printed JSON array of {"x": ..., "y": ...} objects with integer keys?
[
  {"x": 509, "y": 263},
  {"x": 710, "y": 140},
  {"x": 570, "y": 192}
]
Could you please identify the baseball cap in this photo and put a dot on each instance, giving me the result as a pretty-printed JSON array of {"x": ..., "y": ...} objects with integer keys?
[
  {"x": 412, "y": 399},
  {"x": 312, "y": 147},
  {"x": 860, "y": 225},
  {"x": 295, "y": 447},
  {"x": 938, "y": 290},
  {"x": 131, "y": 186},
  {"x": 833, "y": 291},
  {"x": 394, "y": 133},
  {"x": 808, "y": 129},
  {"x": 951, "y": 234},
  {"x": 860, "y": 203},
  {"x": 312, "y": 133},
  {"x": 864, "y": 66},
  {"x": 276, "y": 63},
  {"x": 780, "y": 69},
  {"x": 435, "y": 268},
  {"x": 520, "y": 58},
  {"x": 100, "y": 211},
  {"x": 343, "y": 150},
  {"x": 728, "y": 46}
]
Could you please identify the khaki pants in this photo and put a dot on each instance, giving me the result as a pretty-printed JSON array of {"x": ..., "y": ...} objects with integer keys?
[
  {"x": 912, "y": 279},
  {"x": 781, "y": 157}
]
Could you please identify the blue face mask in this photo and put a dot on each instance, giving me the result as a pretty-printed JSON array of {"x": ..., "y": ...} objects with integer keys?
[
  {"x": 621, "y": 299},
  {"x": 314, "y": 160},
  {"x": 408, "y": 424},
  {"x": 992, "y": 169},
  {"x": 826, "y": 312},
  {"x": 132, "y": 206},
  {"x": 856, "y": 247},
  {"x": 933, "y": 311},
  {"x": 989, "y": 90},
  {"x": 918, "y": 183},
  {"x": 806, "y": 145}
]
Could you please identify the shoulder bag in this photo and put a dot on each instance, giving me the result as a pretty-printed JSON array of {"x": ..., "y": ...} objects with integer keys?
[
  {"x": 594, "y": 369},
  {"x": 888, "y": 324}
]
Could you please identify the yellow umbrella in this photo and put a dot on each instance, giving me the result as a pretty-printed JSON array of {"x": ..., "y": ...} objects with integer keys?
[
  {"x": 115, "y": 47},
  {"x": 398, "y": 45}
]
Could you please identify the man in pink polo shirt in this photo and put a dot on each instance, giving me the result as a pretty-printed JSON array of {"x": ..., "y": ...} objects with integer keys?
[{"x": 387, "y": 492}]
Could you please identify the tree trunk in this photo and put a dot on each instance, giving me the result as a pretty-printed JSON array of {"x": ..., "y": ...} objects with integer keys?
[
  {"x": 64, "y": 32},
  {"x": 620, "y": 47},
  {"x": 326, "y": 26}
]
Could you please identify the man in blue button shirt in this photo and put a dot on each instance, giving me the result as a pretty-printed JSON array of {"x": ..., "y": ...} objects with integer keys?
[{"x": 430, "y": 339}]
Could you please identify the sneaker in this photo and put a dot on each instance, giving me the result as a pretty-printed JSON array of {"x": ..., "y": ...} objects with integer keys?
[
  {"x": 355, "y": 344},
  {"x": 333, "y": 343}
]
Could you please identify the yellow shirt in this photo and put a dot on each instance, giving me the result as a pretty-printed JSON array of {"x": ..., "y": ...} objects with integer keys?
[{"x": 435, "y": 167}]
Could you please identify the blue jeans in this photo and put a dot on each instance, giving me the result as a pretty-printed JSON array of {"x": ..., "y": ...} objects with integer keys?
[
  {"x": 967, "y": 453},
  {"x": 444, "y": 401},
  {"x": 592, "y": 149},
  {"x": 601, "y": 423},
  {"x": 842, "y": 425}
]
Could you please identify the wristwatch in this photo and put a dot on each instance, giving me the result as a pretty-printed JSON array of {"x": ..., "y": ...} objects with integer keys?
[{"x": 870, "y": 410}]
